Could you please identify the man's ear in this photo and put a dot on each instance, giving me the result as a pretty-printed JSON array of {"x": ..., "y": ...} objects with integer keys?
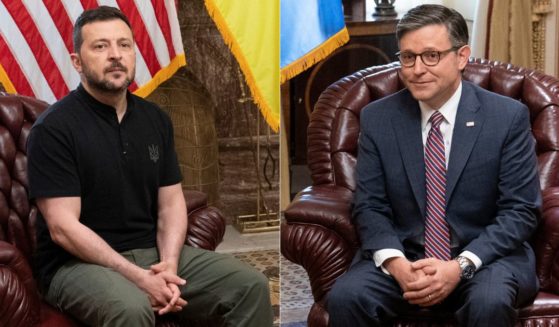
[
  {"x": 76, "y": 62},
  {"x": 463, "y": 56}
]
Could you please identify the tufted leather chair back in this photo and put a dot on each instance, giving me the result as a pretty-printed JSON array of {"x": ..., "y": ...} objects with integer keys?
[
  {"x": 334, "y": 127},
  {"x": 17, "y": 216}
]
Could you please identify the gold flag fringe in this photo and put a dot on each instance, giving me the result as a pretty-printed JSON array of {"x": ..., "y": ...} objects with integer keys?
[
  {"x": 235, "y": 48},
  {"x": 315, "y": 55},
  {"x": 161, "y": 76},
  {"x": 6, "y": 81}
]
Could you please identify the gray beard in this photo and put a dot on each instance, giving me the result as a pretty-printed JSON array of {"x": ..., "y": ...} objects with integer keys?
[{"x": 104, "y": 85}]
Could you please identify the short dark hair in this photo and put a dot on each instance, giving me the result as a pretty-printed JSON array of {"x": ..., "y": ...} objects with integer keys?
[
  {"x": 99, "y": 14},
  {"x": 424, "y": 15}
]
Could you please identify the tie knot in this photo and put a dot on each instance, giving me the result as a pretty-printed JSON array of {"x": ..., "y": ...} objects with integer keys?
[{"x": 436, "y": 119}]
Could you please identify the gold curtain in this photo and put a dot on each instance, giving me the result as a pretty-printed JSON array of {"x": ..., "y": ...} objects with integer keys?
[
  {"x": 516, "y": 31},
  {"x": 510, "y": 32},
  {"x": 540, "y": 8}
]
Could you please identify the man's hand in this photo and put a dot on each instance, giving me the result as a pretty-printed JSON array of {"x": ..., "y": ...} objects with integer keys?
[
  {"x": 156, "y": 287},
  {"x": 179, "y": 303},
  {"x": 168, "y": 272},
  {"x": 441, "y": 278},
  {"x": 401, "y": 269}
]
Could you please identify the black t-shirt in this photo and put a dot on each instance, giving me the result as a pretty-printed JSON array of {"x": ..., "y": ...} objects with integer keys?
[{"x": 78, "y": 148}]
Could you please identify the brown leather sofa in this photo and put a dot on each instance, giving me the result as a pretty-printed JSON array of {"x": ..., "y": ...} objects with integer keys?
[
  {"x": 20, "y": 302},
  {"x": 318, "y": 233}
]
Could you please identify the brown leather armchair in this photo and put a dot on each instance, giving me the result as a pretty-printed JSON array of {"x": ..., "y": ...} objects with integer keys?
[
  {"x": 20, "y": 302},
  {"x": 319, "y": 234}
]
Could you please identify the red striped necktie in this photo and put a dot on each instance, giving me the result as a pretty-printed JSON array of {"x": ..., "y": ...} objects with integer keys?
[{"x": 437, "y": 232}]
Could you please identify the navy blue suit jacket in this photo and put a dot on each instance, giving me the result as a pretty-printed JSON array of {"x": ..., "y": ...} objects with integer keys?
[{"x": 493, "y": 195}]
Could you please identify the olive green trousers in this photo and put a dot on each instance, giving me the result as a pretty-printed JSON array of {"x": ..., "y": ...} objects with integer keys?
[{"x": 219, "y": 288}]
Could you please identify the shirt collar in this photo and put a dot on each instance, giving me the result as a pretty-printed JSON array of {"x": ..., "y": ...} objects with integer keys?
[
  {"x": 448, "y": 109},
  {"x": 101, "y": 108}
]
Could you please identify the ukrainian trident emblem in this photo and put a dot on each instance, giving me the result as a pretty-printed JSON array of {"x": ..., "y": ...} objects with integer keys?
[{"x": 153, "y": 152}]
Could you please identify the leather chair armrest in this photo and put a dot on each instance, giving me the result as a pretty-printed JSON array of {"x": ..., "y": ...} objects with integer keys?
[
  {"x": 318, "y": 316},
  {"x": 195, "y": 200},
  {"x": 322, "y": 253},
  {"x": 19, "y": 298},
  {"x": 319, "y": 236},
  {"x": 546, "y": 242},
  {"x": 326, "y": 205},
  {"x": 206, "y": 225}
]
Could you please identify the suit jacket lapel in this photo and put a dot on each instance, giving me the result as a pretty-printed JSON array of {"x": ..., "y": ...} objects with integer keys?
[
  {"x": 407, "y": 127},
  {"x": 467, "y": 126}
]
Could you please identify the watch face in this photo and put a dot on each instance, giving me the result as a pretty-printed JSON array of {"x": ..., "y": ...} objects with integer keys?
[{"x": 468, "y": 272}]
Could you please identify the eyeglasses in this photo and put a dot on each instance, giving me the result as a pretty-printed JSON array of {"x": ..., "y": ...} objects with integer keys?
[{"x": 429, "y": 57}]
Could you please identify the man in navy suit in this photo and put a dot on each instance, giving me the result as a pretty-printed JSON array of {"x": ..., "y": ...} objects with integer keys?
[{"x": 447, "y": 191}]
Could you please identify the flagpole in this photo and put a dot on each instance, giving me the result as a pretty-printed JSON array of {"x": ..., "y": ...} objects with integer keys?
[{"x": 257, "y": 222}]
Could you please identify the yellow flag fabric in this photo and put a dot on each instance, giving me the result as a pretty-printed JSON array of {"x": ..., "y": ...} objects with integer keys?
[{"x": 251, "y": 30}]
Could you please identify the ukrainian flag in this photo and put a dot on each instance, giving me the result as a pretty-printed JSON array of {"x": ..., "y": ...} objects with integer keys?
[
  {"x": 310, "y": 31},
  {"x": 251, "y": 30}
]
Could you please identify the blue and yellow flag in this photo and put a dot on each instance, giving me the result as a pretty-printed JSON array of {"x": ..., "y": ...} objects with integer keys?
[
  {"x": 251, "y": 30},
  {"x": 310, "y": 31}
]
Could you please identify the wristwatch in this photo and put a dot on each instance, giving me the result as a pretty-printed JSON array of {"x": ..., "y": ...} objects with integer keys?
[{"x": 467, "y": 268}]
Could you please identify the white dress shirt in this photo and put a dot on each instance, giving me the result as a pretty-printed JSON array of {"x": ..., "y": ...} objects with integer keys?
[{"x": 448, "y": 110}]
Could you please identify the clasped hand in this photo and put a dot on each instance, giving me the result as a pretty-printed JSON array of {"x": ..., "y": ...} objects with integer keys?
[
  {"x": 425, "y": 282},
  {"x": 162, "y": 286}
]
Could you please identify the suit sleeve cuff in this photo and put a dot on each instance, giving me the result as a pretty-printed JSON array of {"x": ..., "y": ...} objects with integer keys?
[
  {"x": 473, "y": 258},
  {"x": 380, "y": 256}
]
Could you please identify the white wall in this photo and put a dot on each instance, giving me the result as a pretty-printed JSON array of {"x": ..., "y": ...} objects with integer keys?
[
  {"x": 403, "y": 6},
  {"x": 466, "y": 8}
]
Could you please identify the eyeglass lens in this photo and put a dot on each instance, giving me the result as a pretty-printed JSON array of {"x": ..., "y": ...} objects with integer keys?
[{"x": 429, "y": 58}]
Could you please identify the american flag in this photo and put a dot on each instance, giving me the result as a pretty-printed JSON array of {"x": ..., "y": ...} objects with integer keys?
[{"x": 36, "y": 42}]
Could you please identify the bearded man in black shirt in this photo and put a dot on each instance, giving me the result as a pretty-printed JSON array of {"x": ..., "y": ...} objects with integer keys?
[{"x": 104, "y": 173}]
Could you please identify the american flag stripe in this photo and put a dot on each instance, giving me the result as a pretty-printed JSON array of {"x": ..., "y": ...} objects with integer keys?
[
  {"x": 143, "y": 74},
  {"x": 61, "y": 20},
  {"x": 36, "y": 45},
  {"x": 73, "y": 9},
  {"x": 18, "y": 77},
  {"x": 163, "y": 21},
  {"x": 89, "y": 4},
  {"x": 23, "y": 57},
  {"x": 36, "y": 42},
  {"x": 53, "y": 41},
  {"x": 174, "y": 22},
  {"x": 144, "y": 44},
  {"x": 146, "y": 11}
]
